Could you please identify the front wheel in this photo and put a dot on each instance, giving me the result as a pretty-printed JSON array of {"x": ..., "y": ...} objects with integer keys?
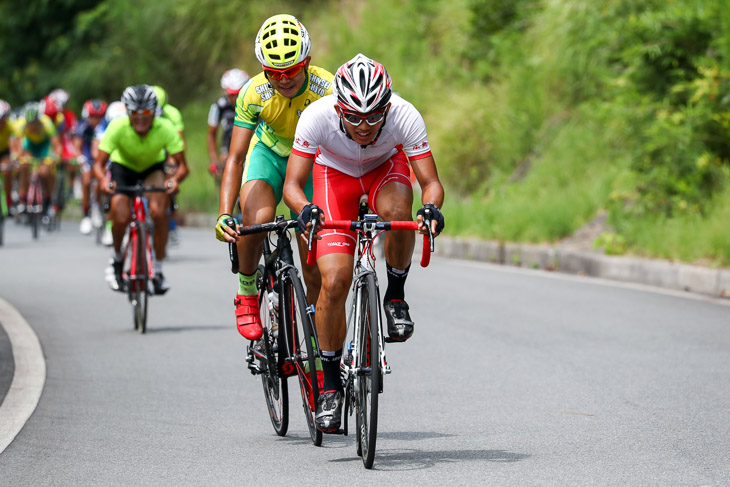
[
  {"x": 304, "y": 349},
  {"x": 139, "y": 279},
  {"x": 276, "y": 390},
  {"x": 368, "y": 373}
]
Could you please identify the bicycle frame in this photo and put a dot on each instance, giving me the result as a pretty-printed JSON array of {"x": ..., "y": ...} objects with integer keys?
[{"x": 139, "y": 217}]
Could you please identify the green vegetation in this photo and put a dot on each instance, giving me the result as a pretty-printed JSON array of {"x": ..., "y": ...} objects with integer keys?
[{"x": 541, "y": 113}]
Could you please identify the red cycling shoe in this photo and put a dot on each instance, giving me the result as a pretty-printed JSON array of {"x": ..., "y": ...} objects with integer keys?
[{"x": 248, "y": 320}]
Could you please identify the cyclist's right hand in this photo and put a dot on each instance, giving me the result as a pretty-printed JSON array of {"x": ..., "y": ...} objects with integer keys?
[
  {"x": 226, "y": 229},
  {"x": 108, "y": 186},
  {"x": 307, "y": 215}
]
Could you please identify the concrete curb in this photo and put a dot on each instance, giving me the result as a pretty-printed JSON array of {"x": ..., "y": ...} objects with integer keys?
[
  {"x": 652, "y": 272},
  {"x": 661, "y": 273}
]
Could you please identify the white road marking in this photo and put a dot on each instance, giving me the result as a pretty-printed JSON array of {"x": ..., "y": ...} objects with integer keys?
[{"x": 28, "y": 379}]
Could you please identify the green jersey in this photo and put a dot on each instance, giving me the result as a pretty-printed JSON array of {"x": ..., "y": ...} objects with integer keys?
[
  {"x": 173, "y": 115},
  {"x": 136, "y": 152}
]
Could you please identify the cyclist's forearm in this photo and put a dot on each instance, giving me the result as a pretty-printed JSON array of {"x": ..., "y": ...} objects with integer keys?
[
  {"x": 212, "y": 146},
  {"x": 99, "y": 165},
  {"x": 297, "y": 172},
  {"x": 57, "y": 147},
  {"x": 433, "y": 192},
  {"x": 230, "y": 186}
]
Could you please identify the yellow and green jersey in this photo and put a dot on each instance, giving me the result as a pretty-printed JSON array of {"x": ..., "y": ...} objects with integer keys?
[
  {"x": 274, "y": 117},
  {"x": 138, "y": 153},
  {"x": 10, "y": 128},
  {"x": 46, "y": 130}
]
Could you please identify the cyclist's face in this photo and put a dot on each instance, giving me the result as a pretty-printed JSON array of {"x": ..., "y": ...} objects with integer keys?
[
  {"x": 142, "y": 120},
  {"x": 94, "y": 121},
  {"x": 363, "y": 133},
  {"x": 289, "y": 87}
]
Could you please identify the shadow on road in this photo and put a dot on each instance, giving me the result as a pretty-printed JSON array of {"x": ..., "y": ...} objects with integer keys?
[
  {"x": 181, "y": 328},
  {"x": 408, "y": 459}
]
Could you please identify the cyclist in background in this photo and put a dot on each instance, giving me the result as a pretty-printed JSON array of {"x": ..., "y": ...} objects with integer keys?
[
  {"x": 267, "y": 111},
  {"x": 114, "y": 110},
  {"x": 137, "y": 145},
  {"x": 9, "y": 133},
  {"x": 171, "y": 113},
  {"x": 65, "y": 121},
  {"x": 86, "y": 138},
  {"x": 360, "y": 140},
  {"x": 39, "y": 141},
  {"x": 222, "y": 114}
]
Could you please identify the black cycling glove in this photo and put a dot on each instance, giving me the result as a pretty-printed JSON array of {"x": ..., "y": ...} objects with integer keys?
[
  {"x": 305, "y": 216},
  {"x": 435, "y": 215}
]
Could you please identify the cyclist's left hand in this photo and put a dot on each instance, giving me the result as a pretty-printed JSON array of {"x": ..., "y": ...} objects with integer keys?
[
  {"x": 436, "y": 217},
  {"x": 172, "y": 186},
  {"x": 226, "y": 228}
]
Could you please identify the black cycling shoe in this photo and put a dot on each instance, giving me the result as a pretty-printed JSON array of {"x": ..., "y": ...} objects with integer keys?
[
  {"x": 400, "y": 325},
  {"x": 159, "y": 284},
  {"x": 329, "y": 411}
]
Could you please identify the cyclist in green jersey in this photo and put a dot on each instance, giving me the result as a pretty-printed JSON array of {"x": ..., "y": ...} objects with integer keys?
[
  {"x": 171, "y": 113},
  {"x": 137, "y": 145},
  {"x": 267, "y": 111}
]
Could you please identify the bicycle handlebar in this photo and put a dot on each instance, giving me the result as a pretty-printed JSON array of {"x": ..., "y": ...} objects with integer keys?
[
  {"x": 252, "y": 229},
  {"x": 138, "y": 188},
  {"x": 356, "y": 225}
]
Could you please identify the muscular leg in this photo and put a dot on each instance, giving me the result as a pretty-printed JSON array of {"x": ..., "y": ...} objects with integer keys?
[
  {"x": 336, "y": 271},
  {"x": 158, "y": 213},
  {"x": 258, "y": 203},
  {"x": 395, "y": 202},
  {"x": 120, "y": 215},
  {"x": 312, "y": 278}
]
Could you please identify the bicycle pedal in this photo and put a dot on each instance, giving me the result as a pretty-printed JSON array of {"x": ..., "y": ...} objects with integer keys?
[{"x": 394, "y": 340}]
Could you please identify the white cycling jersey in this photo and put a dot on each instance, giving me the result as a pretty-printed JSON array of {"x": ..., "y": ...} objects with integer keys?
[{"x": 320, "y": 129}]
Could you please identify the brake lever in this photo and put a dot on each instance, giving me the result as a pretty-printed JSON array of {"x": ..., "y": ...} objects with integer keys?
[{"x": 232, "y": 249}]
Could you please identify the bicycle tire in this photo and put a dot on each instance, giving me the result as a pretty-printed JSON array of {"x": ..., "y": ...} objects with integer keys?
[
  {"x": 276, "y": 390},
  {"x": 366, "y": 398},
  {"x": 300, "y": 333},
  {"x": 35, "y": 223},
  {"x": 139, "y": 286}
]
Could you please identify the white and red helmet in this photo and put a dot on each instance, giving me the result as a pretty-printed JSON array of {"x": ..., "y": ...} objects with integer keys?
[
  {"x": 233, "y": 80},
  {"x": 362, "y": 85},
  {"x": 4, "y": 109},
  {"x": 60, "y": 97}
]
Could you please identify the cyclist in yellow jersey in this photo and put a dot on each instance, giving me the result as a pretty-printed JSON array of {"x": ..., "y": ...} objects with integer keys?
[
  {"x": 38, "y": 141},
  {"x": 137, "y": 145},
  {"x": 267, "y": 111},
  {"x": 9, "y": 134}
]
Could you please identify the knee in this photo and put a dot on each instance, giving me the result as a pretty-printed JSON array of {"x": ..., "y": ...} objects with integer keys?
[
  {"x": 335, "y": 285},
  {"x": 398, "y": 210}
]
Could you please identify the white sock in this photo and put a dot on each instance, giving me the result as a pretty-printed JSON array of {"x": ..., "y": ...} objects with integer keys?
[{"x": 158, "y": 267}]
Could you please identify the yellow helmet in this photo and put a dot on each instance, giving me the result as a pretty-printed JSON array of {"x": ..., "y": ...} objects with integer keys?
[
  {"x": 282, "y": 42},
  {"x": 161, "y": 95}
]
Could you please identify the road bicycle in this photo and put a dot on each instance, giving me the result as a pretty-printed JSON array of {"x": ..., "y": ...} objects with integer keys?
[
  {"x": 138, "y": 253},
  {"x": 289, "y": 345},
  {"x": 35, "y": 210},
  {"x": 364, "y": 363}
]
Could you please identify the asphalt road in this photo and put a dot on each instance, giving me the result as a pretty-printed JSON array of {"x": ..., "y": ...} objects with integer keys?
[{"x": 513, "y": 377}]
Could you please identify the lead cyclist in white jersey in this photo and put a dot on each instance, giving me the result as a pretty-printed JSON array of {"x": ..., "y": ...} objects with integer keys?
[{"x": 360, "y": 140}]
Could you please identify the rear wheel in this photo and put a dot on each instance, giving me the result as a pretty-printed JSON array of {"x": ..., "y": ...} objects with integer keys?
[
  {"x": 368, "y": 375},
  {"x": 275, "y": 386},
  {"x": 304, "y": 350}
]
